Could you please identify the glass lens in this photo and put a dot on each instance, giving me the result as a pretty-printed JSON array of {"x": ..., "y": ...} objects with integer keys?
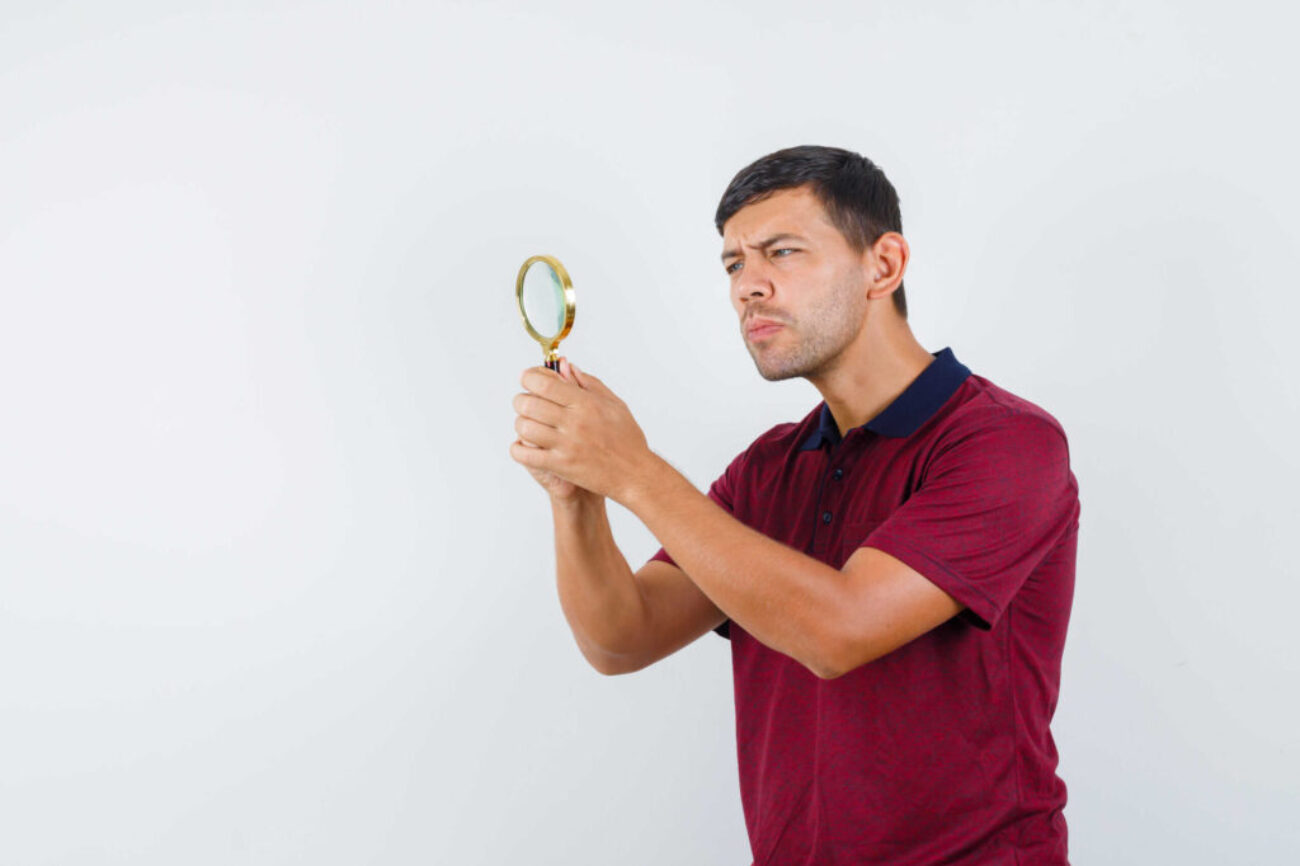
[{"x": 544, "y": 299}]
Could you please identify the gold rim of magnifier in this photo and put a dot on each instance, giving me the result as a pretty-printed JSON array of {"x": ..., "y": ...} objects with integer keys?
[{"x": 570, "y": 303}]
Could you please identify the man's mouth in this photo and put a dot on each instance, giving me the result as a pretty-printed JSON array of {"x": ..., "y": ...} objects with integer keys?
[{"x": 760, "y": 328}]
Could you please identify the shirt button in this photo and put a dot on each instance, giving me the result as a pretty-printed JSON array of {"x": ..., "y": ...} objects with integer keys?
[
  {"x": 838, "y": 474},
  {"x": 826, "y": 517}
]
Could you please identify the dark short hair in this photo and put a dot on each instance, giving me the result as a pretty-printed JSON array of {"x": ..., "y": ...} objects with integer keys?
[{"x": 858, "y": 198}]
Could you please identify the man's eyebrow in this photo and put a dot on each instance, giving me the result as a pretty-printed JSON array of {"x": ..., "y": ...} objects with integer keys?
[{"x": 764, "y": 244}]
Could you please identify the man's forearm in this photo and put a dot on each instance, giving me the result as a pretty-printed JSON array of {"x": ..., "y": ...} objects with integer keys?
[
  {"x": 784, "y": 598},
  {"x": 597, "y": 590}
]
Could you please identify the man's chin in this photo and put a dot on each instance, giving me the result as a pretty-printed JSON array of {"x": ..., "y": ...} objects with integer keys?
[{"x": 776, "y": 373}]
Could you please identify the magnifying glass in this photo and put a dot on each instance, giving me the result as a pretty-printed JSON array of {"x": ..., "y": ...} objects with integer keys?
[{"x": 547, "y": 304}]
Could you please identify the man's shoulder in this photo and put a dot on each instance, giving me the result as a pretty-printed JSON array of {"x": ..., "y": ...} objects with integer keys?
[
  {"x": 777, "y": 445},
  {"x": 765, "y": 454},
  {"x": 983, "y": 405},
  {"x": 781, "y": 440},
  {"x": 999, "y": 432}
]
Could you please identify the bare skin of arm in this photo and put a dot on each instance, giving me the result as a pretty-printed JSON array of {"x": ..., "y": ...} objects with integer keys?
[
  {"x": 621, "y": 621},
  {"x": 829, "y": 620}
]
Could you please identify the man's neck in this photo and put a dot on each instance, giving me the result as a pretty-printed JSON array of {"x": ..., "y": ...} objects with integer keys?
[{"x": 871, "y": 374}]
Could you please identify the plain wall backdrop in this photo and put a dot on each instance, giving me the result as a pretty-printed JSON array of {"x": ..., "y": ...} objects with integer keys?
[{"x": 271, "y": 589}]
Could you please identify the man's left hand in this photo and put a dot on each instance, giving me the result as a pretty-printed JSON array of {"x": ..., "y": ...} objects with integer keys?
[{"x": 581, "y": 431}]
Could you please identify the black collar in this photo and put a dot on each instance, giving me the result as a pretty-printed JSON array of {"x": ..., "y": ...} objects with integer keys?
[{"x": 910, "y": 409}]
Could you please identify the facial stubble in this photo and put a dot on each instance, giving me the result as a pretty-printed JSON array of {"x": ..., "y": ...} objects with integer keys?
[{"x": 819, "y": 336}]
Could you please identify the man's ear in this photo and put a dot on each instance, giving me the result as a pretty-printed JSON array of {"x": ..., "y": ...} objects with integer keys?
[{"x": 886, "y": 261}]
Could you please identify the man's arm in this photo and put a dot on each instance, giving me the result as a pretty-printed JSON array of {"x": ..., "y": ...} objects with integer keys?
[
  {"x": 621, "y": 621},
  {"x": 830, "y": 621}
]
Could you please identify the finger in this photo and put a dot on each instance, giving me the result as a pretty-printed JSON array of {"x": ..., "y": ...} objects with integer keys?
[
  {"x": 573, "y": 374},
  {"x": 536, "y": 432},
  {"x": 539, "y": 409},
  {"x": 590, "y": 382},
  {"x": 533, "y": 458},
  {"x": 578, "y": 376},
  {"x": 547, "y": 383}
]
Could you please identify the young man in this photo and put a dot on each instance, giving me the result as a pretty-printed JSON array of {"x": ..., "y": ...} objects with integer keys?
[{"x": 895, "y": 571}]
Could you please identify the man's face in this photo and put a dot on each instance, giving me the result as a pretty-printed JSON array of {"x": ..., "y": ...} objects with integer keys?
[{"x": 798, "y": 287}]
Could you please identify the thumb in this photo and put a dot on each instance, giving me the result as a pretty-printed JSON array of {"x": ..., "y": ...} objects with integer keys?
[
  {"x": 569, "y": 371},
  {"x": 588, "y": 381},
  {"x": 581, "y": 378}
]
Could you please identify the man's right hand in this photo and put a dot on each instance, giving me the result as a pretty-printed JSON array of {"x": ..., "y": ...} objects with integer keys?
[{"x": 560, "y": 489}]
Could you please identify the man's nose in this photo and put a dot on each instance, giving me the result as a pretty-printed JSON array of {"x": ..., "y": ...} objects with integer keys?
[{"x": 753, "y": 282}]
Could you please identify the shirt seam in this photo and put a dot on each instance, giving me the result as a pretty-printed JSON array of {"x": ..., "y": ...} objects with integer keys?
[
  {"x": 1015, "y": 727},
  {"x": 939, "y": 564}
]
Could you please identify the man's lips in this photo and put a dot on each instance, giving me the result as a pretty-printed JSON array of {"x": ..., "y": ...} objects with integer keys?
[{"x": 759, "y": 328}]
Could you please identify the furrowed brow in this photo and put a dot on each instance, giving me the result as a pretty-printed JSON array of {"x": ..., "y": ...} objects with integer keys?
[{"x": 764, "y": 244}]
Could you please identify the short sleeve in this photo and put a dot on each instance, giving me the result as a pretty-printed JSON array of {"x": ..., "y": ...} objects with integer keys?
[
  {"x": 722, "y": 491},
  {"x": 990, "y": 507}
]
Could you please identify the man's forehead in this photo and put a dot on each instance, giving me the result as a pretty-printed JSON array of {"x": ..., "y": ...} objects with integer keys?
[{"x": 794, "y": 211}]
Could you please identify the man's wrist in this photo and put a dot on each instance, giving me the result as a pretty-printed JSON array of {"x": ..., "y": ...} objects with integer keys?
[
  {"x": 583, "y": 500},
  {"x": 652, "y": 478}
]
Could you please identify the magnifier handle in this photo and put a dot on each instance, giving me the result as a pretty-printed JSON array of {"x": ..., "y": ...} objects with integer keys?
[{"x": 553, "y": 365}]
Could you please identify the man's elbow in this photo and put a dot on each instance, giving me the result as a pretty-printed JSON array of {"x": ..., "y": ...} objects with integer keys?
[
  {"x": 840, "y": 658},
  {"x": 827, "y": 671},
  {"x": 610, "y": 664},
  {"x": 824, "y": 665},
  {"x": 608, "y": 669}
]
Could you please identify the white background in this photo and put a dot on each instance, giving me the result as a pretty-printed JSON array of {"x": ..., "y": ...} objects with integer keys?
[{"x": 271, "y": 590}]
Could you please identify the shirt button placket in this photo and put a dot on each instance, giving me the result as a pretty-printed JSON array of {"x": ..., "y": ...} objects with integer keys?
[{"x": 829, "y": 496}]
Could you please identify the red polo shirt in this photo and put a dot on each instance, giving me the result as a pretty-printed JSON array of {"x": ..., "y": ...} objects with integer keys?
[{"x": 940, "y": 751}]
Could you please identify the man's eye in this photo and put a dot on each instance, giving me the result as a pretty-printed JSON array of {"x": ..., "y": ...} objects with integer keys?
[
  {"x": 783, "y": 251},
  {"x": 733, "y": 267}
]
